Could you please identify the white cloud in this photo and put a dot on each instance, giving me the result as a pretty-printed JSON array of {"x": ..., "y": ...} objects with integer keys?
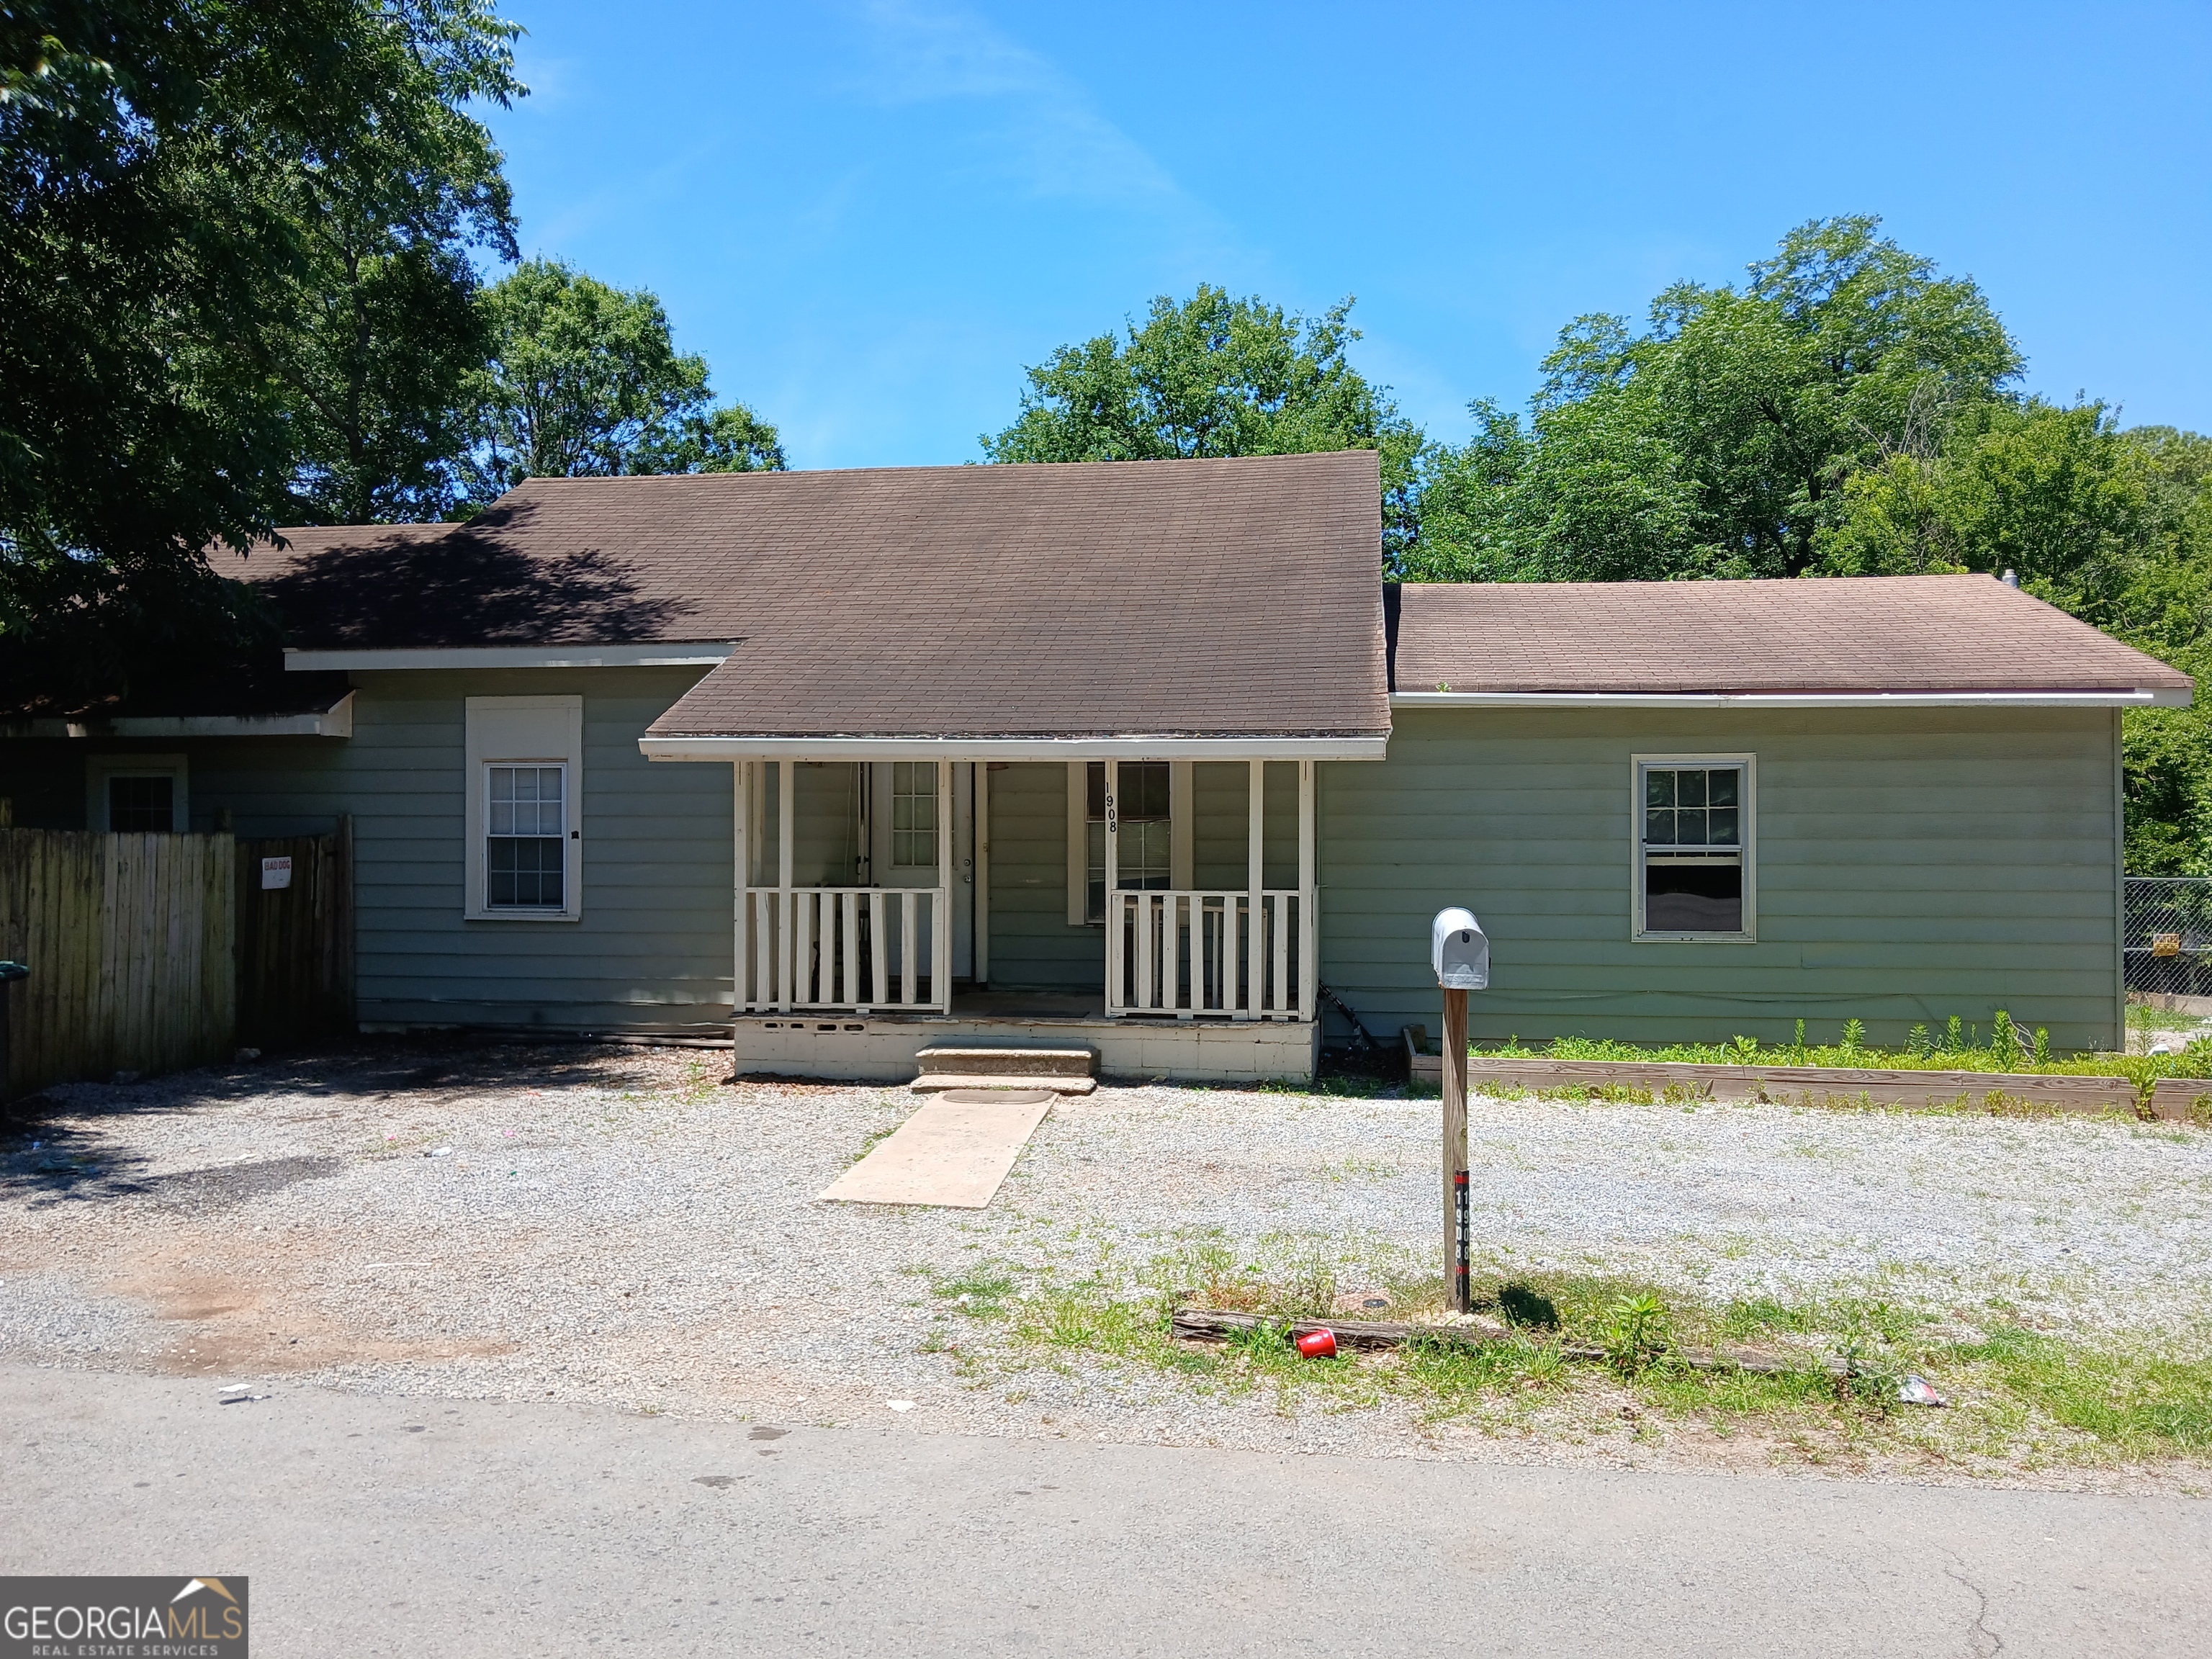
[{"x": 1050, "y": 136}]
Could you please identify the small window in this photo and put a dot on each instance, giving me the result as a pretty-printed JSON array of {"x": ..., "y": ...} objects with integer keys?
[
  {"x": 525, "y": 838},
  {"x": 1693, "y": 849},
  {"x": 1143, "y": 860},
  {"x": 142, "y": 804},
  {"x": 913, "y": 815}
]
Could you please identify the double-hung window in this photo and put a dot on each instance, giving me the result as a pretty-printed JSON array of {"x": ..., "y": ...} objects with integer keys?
[
  {"x": 526, "y": 837},
  {"x": 524, "y": 841},
  {"x": 1144, "y": 855},
  {"x": 1693, "y": 848}
]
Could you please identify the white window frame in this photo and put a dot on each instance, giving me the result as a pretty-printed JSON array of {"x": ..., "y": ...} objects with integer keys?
[
  {"x": 1749, "y": 808},
  {"x": 99, "y": 768},
  {"x": 544, "y": 730},
  {"x": 1180, "y": 842}
]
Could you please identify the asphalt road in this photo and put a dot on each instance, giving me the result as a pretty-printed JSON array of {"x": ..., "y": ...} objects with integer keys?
[{"x": 372, "y": 1526}]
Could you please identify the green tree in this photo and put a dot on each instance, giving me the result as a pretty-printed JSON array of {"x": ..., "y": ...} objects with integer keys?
[
  {"x": 585, "y": 382},
  {"x": 162, "y": 283},
  {"x": 1717, "y": 442},
  {"x": 1214, "y": 375}
]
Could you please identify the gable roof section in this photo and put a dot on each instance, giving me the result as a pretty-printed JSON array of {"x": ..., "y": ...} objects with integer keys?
[
  {"x": 1230, "y": 597},
  {"x": 1876, "y": 638}
]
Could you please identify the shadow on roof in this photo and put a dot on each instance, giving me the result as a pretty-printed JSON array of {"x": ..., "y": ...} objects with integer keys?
[{"x": 472, "y": 584}]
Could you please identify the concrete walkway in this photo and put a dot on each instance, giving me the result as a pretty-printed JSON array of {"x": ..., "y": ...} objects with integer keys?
[{"x": 372, "y": 1525}]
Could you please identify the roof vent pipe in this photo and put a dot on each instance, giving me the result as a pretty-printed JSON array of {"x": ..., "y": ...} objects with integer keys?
[{"x": 2010, "y": 579}]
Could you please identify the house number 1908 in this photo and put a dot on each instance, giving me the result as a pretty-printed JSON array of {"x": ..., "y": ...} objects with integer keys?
[{"x": 1113, "y": 817}]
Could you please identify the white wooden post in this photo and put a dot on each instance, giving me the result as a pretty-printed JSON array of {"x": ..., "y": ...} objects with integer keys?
[
  {"x": 1309, "y": 932},
  {"x": 1255, "y": 960},
  {"x": 940, "y": 972},
  {"x": 982, "y": 872},
  {"x": 785, "y": 819},
  {"x": 741, "y": 906},
  {"x": 1114, "y": 973}
]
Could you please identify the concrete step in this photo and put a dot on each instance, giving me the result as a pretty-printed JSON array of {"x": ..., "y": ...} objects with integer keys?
[
  {"x": 984, "y": 1066},
  {"x": 982, "y": 1059},
  {"x": 935, "y": 1082}
]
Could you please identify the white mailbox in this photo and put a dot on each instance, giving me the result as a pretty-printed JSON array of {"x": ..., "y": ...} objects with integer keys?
[{"x": 1459, "y": 951}]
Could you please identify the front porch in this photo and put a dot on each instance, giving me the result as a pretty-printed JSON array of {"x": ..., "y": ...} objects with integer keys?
[{"x": 1159, "y": 913}]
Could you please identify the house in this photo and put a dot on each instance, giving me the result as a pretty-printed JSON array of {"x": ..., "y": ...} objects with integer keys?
[{"x": 1139, "y": 757}]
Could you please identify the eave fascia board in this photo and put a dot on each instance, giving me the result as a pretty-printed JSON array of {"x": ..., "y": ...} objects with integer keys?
[
  {"x": 335, "y": 721},
  {"x": 2140, "y": 697},
  {"x": 681, "y": 654},
  {"x": 1367, "y": 747}
]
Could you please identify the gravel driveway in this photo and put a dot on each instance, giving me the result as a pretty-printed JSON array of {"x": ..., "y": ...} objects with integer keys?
[{"x": 617, "y": 1224}]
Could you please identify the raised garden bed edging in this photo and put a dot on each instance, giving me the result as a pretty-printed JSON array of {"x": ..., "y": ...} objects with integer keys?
[{"x": 2173, "y": 1099}]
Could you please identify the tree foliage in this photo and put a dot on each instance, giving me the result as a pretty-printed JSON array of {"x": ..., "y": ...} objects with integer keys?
[
  {"x": 1214, "y": 375},
  {"x": 233, "y": 297},
  {"x": 1716, "y": 441},
  {"x": 584, "y": 380}
]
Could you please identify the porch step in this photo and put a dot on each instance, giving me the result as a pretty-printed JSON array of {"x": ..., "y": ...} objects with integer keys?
[{"x": 946, "y": 1065}]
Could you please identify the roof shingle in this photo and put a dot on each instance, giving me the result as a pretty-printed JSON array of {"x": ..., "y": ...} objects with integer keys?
[
  {"x": 1840, "y": 634},
  {"x": 1206, "y": 598}
]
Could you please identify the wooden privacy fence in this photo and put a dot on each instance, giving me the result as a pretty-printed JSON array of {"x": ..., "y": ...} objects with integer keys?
[
  {"x": 152, "y": 953},
  {"x": 129, "y": 941},
  {"x": 295, "y": 938}
]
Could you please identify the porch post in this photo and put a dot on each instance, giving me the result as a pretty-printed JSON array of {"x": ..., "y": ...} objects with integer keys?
[
  {"x": 741, "y": 815},
  {"x": 1113, "y": 882},
  {"x": 982, "y": 872},
  {"x": 1309, "y": 933},
  {"x": 1255, "y": 955},
  {"x": 786, "y": 964},
  {"x": 940, "y": 965}
]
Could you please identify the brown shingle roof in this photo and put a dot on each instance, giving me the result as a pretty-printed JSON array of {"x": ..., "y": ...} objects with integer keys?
[
  {"x": 1858, "y": 633},
  {"x": 1216, "y": 598}
]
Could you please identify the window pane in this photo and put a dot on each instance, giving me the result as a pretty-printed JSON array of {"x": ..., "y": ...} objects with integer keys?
[
  {"x": 1659, "y": 829},
  {"x": 1095, "y": 778},
  {"x": 1143, "y": 789},
  {"x": 1658, "y": 788},
  {"x": 913, "y": 815},
  {"x": 136, "y": 805},
  {"x": 1094, "y": 907},
  {"x": 524, "y": 873},
  {"x": 1690, "y": 788},
  {"x": 1723, "y": 786},
  {"x": 1690, "y": 828},
  {"x": 1693, "y": 898},
  {"x": 1720, "y": 829}
]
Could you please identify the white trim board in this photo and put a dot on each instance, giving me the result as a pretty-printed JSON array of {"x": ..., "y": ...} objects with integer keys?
[
  {"x": 2136, "y": 699},
  {"x": 1013, "y": 749},
  {"x": 675, "y": 654},
  {"x": 335, "y": 721}
]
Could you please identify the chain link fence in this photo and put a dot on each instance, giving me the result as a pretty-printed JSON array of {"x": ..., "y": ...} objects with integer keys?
[{"x": 2168, "y": 943}]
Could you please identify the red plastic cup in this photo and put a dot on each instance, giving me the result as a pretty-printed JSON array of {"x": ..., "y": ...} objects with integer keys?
[{"x": 1318, "y": 1345}]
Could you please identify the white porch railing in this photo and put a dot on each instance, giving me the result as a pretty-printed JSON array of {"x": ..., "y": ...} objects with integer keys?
[
  {"x": 844, "y": 948},
  {"x": 1239, "y": 954}
]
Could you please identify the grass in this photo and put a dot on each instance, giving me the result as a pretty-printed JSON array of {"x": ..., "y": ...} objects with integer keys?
[
  {"x": 1955, "y": 1046},
  {"x": 2023, "y": 1399}
]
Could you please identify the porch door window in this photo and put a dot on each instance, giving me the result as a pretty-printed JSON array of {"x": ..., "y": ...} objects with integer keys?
[
  {"x": 1147, "y": 829},
  {"x": 526, "y": 837},
  {"x": 913, "y": 815}
]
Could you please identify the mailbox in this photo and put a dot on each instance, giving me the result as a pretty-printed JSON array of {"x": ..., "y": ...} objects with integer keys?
[{"x": 1458, "y": 951}]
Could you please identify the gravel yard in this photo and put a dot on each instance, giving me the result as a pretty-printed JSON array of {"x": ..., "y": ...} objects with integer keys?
[{"x": 617, "y": 1224}]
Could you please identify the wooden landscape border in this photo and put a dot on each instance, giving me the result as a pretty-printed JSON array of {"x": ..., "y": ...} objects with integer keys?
[{"x": 2173, "y": 1099}]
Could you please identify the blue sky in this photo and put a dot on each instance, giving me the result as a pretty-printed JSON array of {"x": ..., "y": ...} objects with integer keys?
[{"x": 869, "y": 217}]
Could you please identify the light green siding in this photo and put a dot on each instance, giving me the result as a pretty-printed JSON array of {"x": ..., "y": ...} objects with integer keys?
[
  {"x": 1910, "y": 864},
  {"x": 1032, "y": 946},
  {"x": 652, "y": 946}
]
